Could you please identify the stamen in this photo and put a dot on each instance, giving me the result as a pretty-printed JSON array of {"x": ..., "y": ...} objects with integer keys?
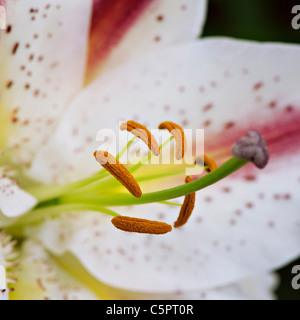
[
  {"x": 118, "y": 170},
  {"x": 178, "y": 133},
  {"x": 10, "y": 256},
  {"x": 130, "y": 224},
  {"x": 252, "y": 147},
  {"x": 207, "y": 162},
  {"x": 143, "y": 133},
  {"x": 187, "y": 207}
]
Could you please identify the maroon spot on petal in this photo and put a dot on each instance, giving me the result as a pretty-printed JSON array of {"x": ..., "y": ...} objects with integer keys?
[
  {"x": 202, "y": 89},
  {"x": 250, "y": 177},
  {"x": 157, "y": 38},
  {"x": 277, "y": 78},
  {"x": 181, "y": 89},
  {"x": 276, "y": 196},
  {"x": 272, "y": 104},
  {"x": 208, "y": 199},
  {"x": 121, "y": 251},
  {"x": 206, "y": 123},
  {"x": 199, "y": 220},
  {"x": 207, "y": 107},
  {"x": 258, "y": 85},
  {"x": 184, "y": 7},
  {"x": 9, "y": 84},
  {"x": 228, "y": 248},
  {"x": 232, "y": 222},
  {"x": 161, "y": 216},
  {"x": 185, "y": 122},
  {"x": 289, "y": 108},
  {"x": 245, "y": 71},
  {"x": 75, "y": 132},
  {"x": 15, "y": 48},
  {"x": 160, "y": 18},
  {"x": 226, "y": 189},
  {"x": 238, "y": 212},
  {"x": 229, "y": 125},
  {"x": 243, "y": 242},
  {"x": 54, "y": 65},
  {"x": 8, "y": 28},
  {"x": 167, "y": 108},
  {"x": 249, "y": 205},
  {"x": 287, "y": 196},
  {"x": 213, "y": 84},
  {"x": 271, "y": 224}
]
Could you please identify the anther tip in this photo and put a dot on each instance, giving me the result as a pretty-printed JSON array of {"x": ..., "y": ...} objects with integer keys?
[{"x": 252, "y": 147}]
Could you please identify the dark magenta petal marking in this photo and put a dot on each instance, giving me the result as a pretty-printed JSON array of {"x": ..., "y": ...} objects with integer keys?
[{"x": 111, "y": 19}]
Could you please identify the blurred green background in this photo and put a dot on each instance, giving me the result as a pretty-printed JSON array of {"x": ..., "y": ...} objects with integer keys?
[{"x": 260, "y": 20}]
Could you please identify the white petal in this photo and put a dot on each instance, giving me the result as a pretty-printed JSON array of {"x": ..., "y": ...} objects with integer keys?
[
  {"x": 176, "y": 263},
  {"x": 43, "y": 52},
  {"x": 239, "y": 228},
  {"x": 207, "y": 84},
  {"x": 242, "y": 226},
  {"x": 140, "y": 27},
  {"x": 41, "y": 278},
  {"x": 13, "y": 200}
]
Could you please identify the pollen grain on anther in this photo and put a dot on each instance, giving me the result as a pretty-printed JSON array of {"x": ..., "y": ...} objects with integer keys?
[
  {"x": 119, "y": 171},
  {"x": 130, "y": 224},
  {"x": 187, "y": 207},
  {"x": 178, "y": 134},
  {"x": 143, "y": 133}
]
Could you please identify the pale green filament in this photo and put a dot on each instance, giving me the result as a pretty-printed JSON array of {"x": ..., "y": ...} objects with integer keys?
[
  {"x": 92, "y": 202},
  {"x": 101, "y": 190}
]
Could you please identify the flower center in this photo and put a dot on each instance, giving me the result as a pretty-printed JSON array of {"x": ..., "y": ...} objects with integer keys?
[{"x": 105, "y": 189}]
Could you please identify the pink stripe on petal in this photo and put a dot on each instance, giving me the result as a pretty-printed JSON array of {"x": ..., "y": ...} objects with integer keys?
[
  {"x": 111, "y": 19},
  {"x": 281, "y": 131}
]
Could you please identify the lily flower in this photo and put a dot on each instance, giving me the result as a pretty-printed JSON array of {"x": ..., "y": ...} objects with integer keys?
[{"x": 241, "y": 228}]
